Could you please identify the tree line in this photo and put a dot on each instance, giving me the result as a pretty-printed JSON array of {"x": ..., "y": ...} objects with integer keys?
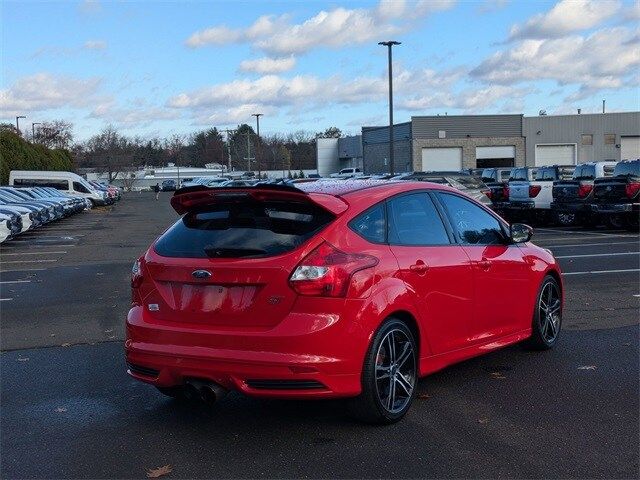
[{"x": 111, "y": 152}]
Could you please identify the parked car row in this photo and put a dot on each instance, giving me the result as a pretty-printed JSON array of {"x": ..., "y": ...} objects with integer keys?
[
  {"x": 35, "y": 198},
  {"x": 587, "y": 194}
]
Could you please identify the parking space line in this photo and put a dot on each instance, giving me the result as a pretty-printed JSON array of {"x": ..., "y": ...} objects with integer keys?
[
  {"x": 601, "y": 237},
  {"x": 601, "y": 271},
  {"x": 22, "y": 270},
  {"x": 13, "y": 247},
  {"x": 599, "y": 255},
  {"x": 27, "y": 261},
  {"x": 30, "y": 253},
  {"x": 5, "y": 299},
  {"x": 603, "y": 244},
  {"x": 15, "y": 281}
]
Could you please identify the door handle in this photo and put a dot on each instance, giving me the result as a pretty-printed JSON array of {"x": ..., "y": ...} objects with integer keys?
[
  {"x": 484, "y": 264},
  {"x": 419, "y": 267}
]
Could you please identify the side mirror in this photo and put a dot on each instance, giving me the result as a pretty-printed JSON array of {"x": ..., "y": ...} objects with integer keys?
[{"x": 520, "y": 232}]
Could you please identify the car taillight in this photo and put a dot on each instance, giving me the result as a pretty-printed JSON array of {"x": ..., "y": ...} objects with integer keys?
[
  {"x": 326, "y": 271},
  {"x": 534, "y": 190},
  {"x": 631, "y": 189},
  {"x": 136, "y": 274},
  {"x": 488, "y": 193},
  {"x": 584, "y": 190},
  {"x": 505, "y": 192}
]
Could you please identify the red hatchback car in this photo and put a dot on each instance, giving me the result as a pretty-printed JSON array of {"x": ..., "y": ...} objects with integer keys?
[{"x": 350, "y": 288}]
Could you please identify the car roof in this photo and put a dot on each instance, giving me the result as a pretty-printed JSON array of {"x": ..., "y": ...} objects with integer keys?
[{"x": 346, "y": 187}]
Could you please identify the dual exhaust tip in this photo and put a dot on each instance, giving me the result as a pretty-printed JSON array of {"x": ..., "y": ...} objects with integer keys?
[{"x": 202, "y": 390}]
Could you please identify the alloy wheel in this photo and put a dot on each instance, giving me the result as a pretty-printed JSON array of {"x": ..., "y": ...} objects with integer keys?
[
  {"x": 395, "y": 371},
  {"x": 549, "y": 312}
]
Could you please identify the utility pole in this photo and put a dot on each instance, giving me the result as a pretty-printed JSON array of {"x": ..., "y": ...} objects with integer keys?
[
  {"x": 248, "y": 159},
  {"x": 257, "y": 115},
  {"x": 33, "y": 130},
  {"x": 389, "y": 45},
  {"x": 229, "y": 133},
  {"x": 17, "y": 124}
]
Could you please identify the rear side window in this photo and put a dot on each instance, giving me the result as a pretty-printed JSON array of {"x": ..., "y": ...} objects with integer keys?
[
  {"x": 585, "y": 172},
  {"x": 545, "y": 174},
  {"x": 371, "y": 224},
  {"x": 472, "y": 224},
  {"x": 414, "y": 220},
  {"x": 41, "y": 182},
  {"x": 630, "y": 169},
  {"x": 243, "y": 230},
  {"x": 78, "y": 187}
]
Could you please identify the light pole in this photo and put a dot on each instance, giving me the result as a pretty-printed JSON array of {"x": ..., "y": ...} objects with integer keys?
[
  {"x": 257, "y": 115},
  {"x": 33, "y": 130},
  {"x": 389, "y": 45},
  {"x": 17, "y": 125},
  {"x": 229, "y": 132}
]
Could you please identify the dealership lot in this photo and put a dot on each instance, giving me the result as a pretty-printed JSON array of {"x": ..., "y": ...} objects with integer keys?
[{"x": 70, "y": 410}]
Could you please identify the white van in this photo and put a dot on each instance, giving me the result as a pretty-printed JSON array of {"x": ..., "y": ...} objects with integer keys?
[{"x": 67, "y": 182}]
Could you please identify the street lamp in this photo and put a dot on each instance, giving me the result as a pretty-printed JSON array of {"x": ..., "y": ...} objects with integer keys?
[
  {"x": 17, "y": 125},
  {"x": 257, "y": 115},
  {"x": 33, "y": 130},
  {"x": 389, "y": 45}
]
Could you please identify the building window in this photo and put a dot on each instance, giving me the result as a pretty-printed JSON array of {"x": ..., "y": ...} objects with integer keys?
[
  {"x": 587, "y": 139},
  {"x": 442, "y": 134},
  {"x": 609, "y": 138}
]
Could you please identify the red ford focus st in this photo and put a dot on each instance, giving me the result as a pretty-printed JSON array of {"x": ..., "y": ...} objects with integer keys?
[{"x": 333, "y": 289}]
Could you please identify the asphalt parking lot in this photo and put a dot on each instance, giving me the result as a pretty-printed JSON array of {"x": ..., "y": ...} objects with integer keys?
[{"x": 70, "y": 410}]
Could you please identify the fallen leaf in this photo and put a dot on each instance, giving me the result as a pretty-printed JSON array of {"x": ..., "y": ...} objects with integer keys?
[
  {"x": 497, "y": 375},
  {"x": 60, "y": 410},
  {"x": 23, "y": 359},
  {"x": 626, "y": 344},
  {"x": 52, "y": 335},
  {"x": 109, "y": 331},
  {"x": 423, "y": 396},
  {"x": 65, "y": 345},
  {"x": 160, "y": 471},
  {"x": 587, "y": 367},
  {"x": 483, "y": 420}
]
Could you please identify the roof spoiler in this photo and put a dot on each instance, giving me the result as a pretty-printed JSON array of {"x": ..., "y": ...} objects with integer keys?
[{"x": 190, "y": 198}]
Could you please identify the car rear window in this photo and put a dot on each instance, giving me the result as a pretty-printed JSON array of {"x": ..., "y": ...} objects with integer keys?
[
  {"x": 469, "y": 181},
  {"x": 243, "y": 230},
  {"x": 585, "y": 172},
  {"x": 519, "y": 174},
  {"x": 630, "y": 169}
]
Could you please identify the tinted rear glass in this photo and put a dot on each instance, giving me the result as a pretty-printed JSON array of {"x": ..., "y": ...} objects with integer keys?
[
  {"x": 469, "y": 182},
  {"x": 519, "y": 174},
  {"x": 628, "y": 169},
  {"x": 585, "y": 172},
  {"x": 244, "y": 229},
  {"x": 488, "y": 175}
]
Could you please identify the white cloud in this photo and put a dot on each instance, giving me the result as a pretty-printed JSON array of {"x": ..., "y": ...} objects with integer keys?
[
  {"x": 470, "y": 100},
  {"x": 95, "y": 45},
  {"x": 142, "y": 115},
  {"x": 565, "y": 17},
  {"x": 490, "y": 6},
  {"x": 598, "y": 61},
  {"x": 268, "y": 65},
  {"x": 45, "y": 91},
  {"x": 334, "y": 28},
  {"x": 222, "y": 35},
  {"x": 274, "y": 90},
  {"x": 90, "y": 6}
]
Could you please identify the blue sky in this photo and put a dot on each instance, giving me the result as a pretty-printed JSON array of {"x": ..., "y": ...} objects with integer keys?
[{"x": 157, "y": 69}]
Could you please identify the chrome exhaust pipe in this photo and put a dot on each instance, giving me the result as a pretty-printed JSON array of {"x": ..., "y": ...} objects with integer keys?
[{"x": 208, "y": 392}]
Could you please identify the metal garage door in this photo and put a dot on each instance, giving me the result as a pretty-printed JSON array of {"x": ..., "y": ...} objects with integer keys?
[
  {"x": 442, "y": 158},
  {"x": 555, "y": 155},
  {"x": 629, "y": 148}
]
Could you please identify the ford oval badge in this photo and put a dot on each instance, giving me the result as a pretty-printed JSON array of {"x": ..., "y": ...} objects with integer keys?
[{"x": 201, "y": 273}]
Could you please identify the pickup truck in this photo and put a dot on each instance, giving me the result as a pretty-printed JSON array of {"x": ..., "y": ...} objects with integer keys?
[
  {"x": 616, "y": 199},
  {"x": 496, "y": 180},
  {"x": 572, "y": 198},
  {"x": 530, "y": 190},
  {"x": 347, "y": 173}
]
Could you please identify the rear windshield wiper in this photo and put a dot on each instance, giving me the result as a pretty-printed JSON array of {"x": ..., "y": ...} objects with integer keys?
[{"x": 222, "y": 252}]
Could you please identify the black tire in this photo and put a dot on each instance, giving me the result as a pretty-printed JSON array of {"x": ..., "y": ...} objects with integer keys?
[
  {"x": 371, "y": 406},
  {"x": 589, "y": 220},
  {"x": 632, "y": 222},
  {"x": 615, "y": 221},
  {"x": 546, "y": 326}
]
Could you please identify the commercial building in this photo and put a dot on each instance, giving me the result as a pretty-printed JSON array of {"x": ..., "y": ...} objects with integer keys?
[
  {"x": 455, "y": 142},
  {"x": 334, "y": 154}
]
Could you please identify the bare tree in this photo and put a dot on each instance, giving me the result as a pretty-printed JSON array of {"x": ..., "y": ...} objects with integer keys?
[{"x": 54, "y": 134}]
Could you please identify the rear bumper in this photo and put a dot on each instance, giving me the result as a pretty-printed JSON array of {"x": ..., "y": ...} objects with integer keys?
[
  {"x": 307, "y": 357},
  {"x": 525, "y": 205},
  {"x": 615, "y": 207},
  {"x": 571, "y": 207}
]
